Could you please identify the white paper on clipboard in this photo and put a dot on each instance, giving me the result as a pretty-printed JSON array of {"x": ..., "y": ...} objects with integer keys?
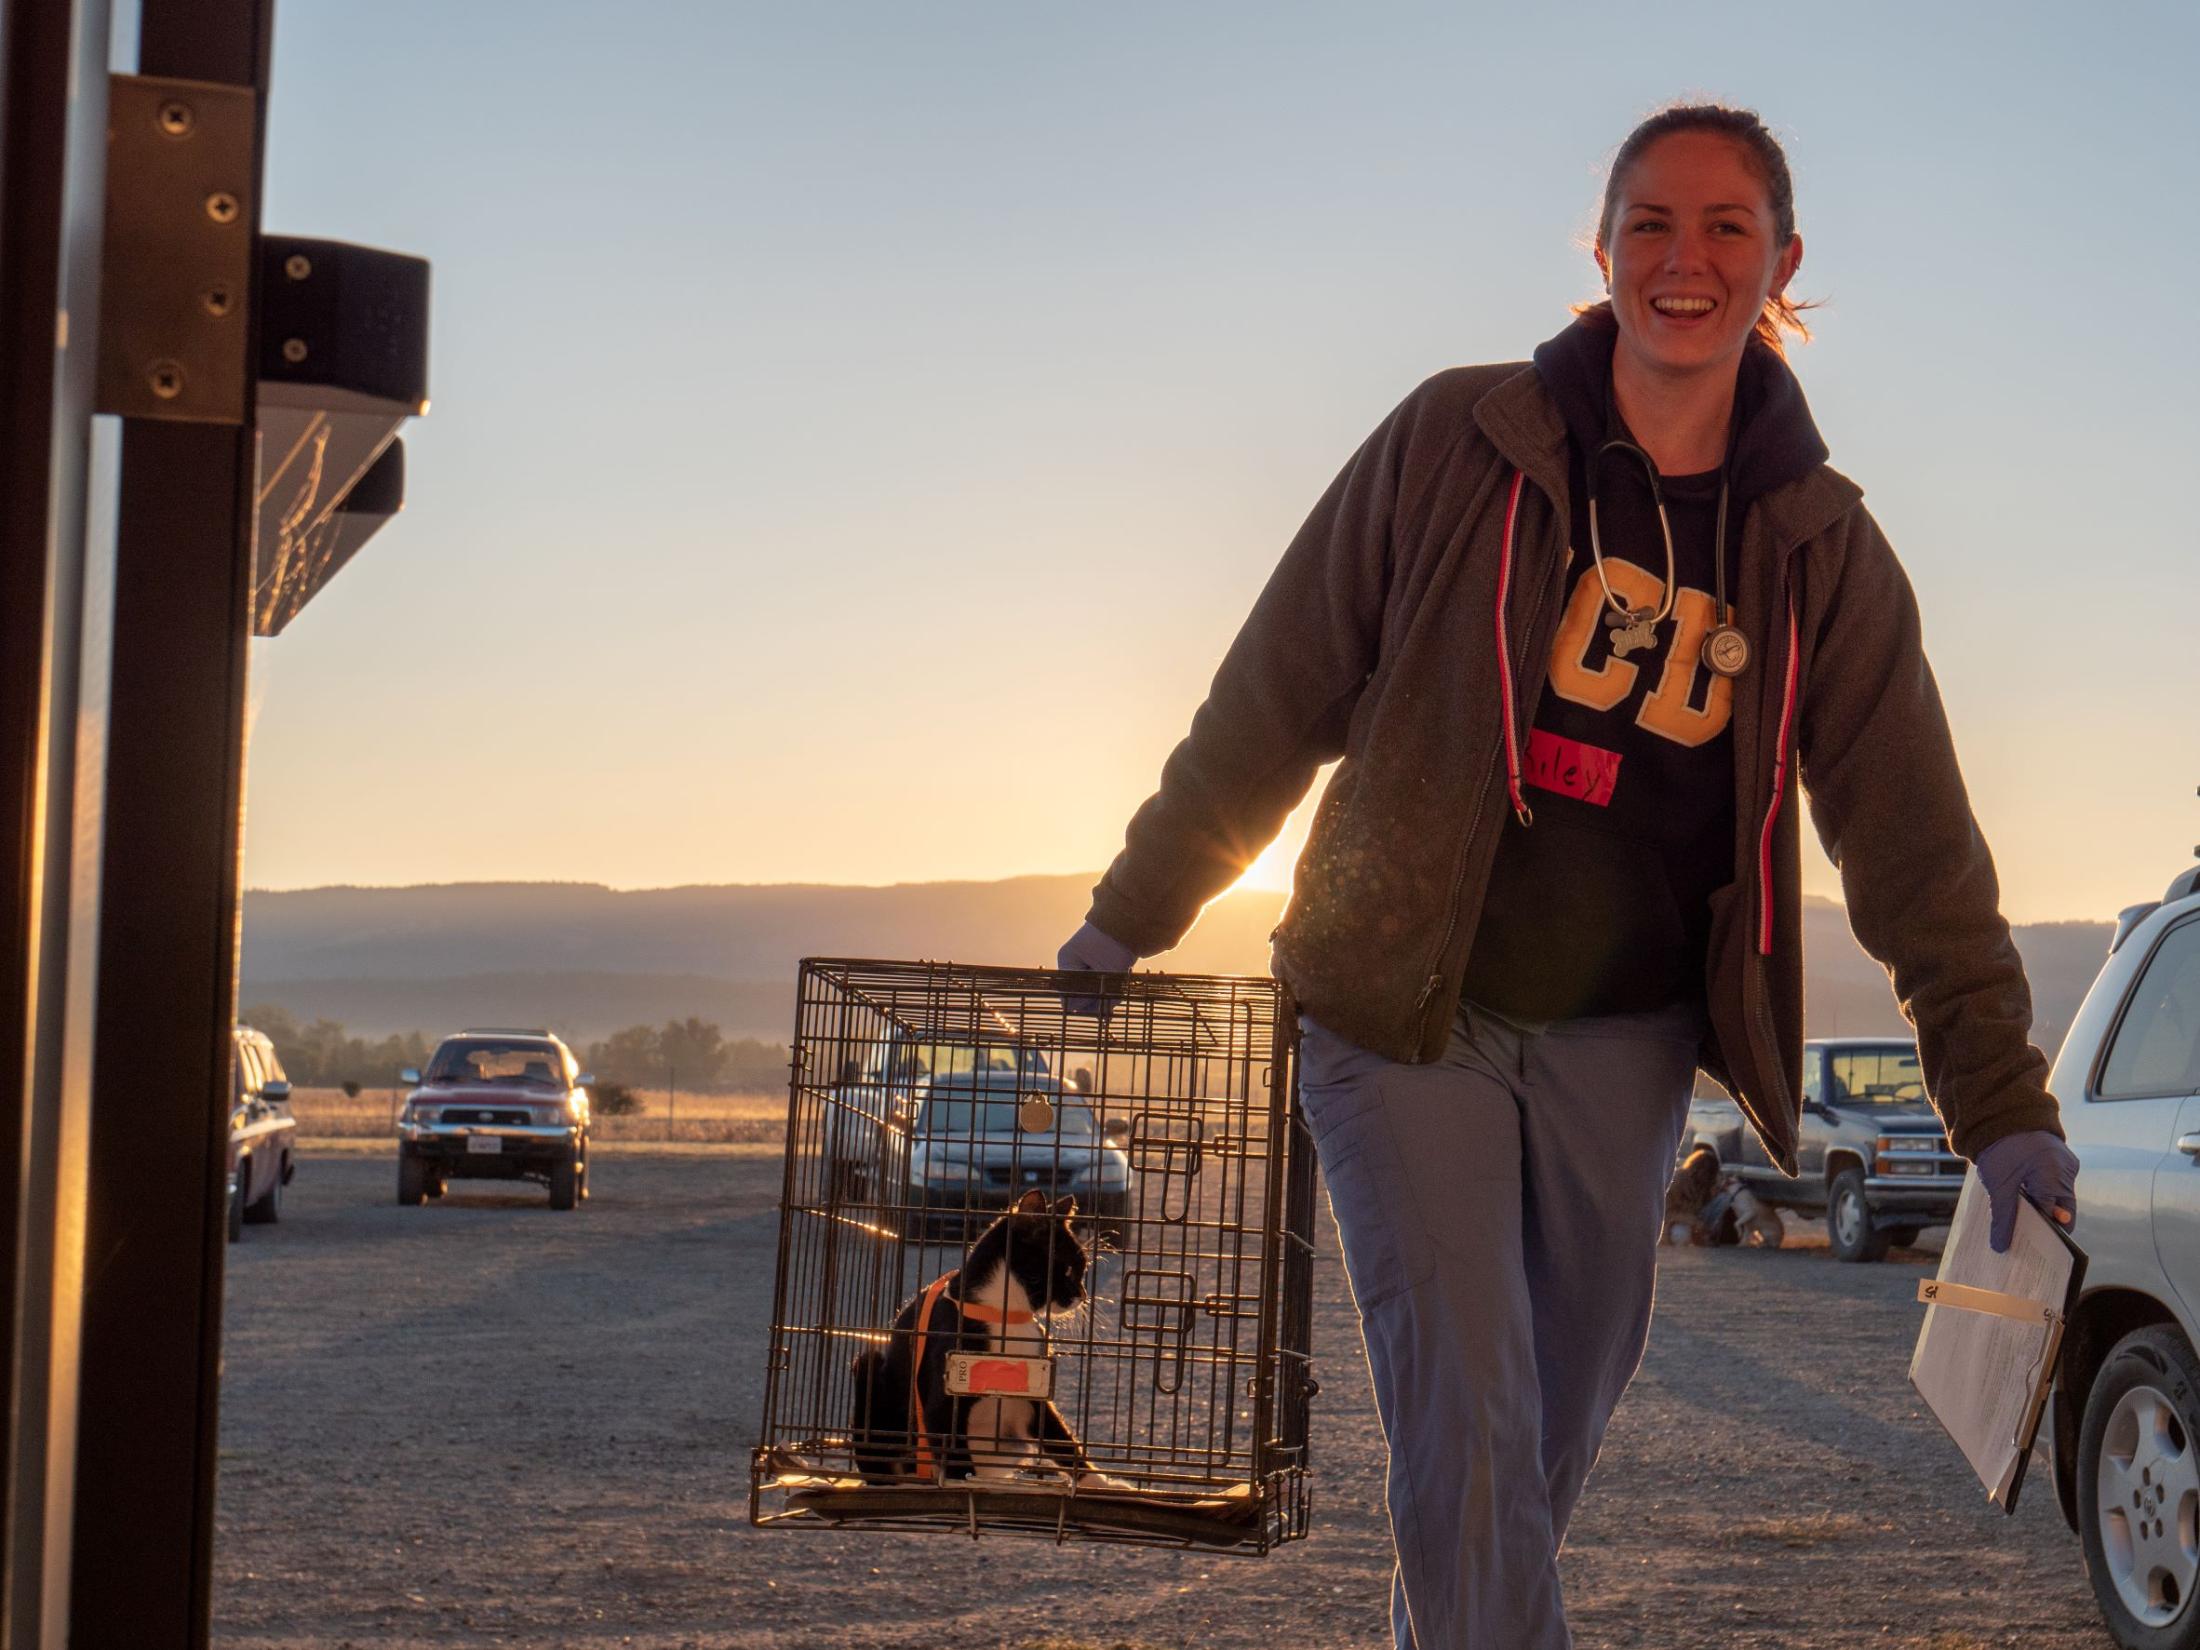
[{"x": 1984, "y": 1367}]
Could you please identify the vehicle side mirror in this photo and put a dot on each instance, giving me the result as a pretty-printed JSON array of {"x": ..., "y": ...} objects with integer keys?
[
  {"x": 585, "y": 1080},
  {"x": 410, "y": 1074},
  {"x": 279, "y": 1089}
]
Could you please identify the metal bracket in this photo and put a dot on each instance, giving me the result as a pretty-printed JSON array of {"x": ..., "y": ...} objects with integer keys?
[
  {"x": 176, "y": 263},
  {"x": 343, "y": 361}
]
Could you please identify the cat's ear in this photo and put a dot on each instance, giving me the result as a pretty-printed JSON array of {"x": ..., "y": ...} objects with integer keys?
[
  {"x": 1032, "y": 1203},
  {"x": 1066, "y": 1207}
]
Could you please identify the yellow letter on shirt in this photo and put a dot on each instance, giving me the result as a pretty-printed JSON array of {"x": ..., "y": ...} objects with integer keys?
[
  {"x": 1612, "y": 681},
  {"x": 1667, "y": 711}
]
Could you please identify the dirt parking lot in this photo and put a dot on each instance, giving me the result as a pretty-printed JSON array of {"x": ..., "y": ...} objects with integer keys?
[{"x": 482, "y": 1423}]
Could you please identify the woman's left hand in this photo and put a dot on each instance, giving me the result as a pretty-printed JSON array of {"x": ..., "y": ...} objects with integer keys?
[{"x": 2034, "y": 1162}]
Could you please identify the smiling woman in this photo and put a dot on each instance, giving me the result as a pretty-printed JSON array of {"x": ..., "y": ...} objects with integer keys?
[{"x": 1576, "y": 631}]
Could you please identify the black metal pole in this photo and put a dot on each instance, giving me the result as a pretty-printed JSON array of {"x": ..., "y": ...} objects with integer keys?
[
  {"x": 167, "y": 981},
  {"x": 53, "y": 108}
]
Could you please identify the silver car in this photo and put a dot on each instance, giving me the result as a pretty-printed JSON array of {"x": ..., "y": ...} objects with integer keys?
[{"x": 2126, "y": 1422}]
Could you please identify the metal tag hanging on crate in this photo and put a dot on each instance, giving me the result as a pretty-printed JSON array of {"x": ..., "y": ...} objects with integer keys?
[{"x": 1041, "y": 1269}]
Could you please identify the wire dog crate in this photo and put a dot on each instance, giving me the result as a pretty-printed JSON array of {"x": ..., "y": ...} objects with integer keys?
[{"x": 959, "y": 1140}]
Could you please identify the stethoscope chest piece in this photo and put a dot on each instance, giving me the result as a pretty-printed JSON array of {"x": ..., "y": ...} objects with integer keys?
[{"x": 1726, "y": 650}]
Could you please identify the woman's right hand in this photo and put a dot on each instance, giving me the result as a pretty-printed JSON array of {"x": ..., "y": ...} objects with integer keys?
[{"x": 1089, "y": 950}]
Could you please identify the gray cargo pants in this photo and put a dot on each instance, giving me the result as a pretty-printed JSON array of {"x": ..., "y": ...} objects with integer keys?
[{"x": 1500, "y": 1211}]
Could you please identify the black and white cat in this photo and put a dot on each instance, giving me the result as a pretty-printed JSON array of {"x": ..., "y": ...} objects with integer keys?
[{"x": 908, "y": 1426}]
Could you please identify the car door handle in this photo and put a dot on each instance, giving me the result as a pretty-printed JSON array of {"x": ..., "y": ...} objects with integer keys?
[{"x": 2189, "y": 1145}]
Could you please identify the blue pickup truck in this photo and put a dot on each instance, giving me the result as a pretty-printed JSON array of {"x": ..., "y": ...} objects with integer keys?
[{"x": 1872, "y": 1157}]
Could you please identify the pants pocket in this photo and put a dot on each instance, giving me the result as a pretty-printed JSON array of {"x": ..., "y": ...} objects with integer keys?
[{"x": 1386, "y": 1252}]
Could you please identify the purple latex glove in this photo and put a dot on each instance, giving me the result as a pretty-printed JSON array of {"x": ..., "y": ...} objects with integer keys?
[
  {"x": 2034, "y": 1162},
  {"x": 1093, "y": 951}
]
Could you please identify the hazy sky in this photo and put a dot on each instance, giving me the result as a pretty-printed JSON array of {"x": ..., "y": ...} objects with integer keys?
[{"x": 859, "y": 430}]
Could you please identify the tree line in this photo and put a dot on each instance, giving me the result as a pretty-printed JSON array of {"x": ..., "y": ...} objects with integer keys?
[
  {"x": 694, "y": 1055},
  {"x": 323, "y": 1055},
  {"x": 690, "y": 1054}
]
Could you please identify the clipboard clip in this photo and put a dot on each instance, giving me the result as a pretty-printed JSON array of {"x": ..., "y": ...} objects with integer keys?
[{"x": 1965, "y": 1297}]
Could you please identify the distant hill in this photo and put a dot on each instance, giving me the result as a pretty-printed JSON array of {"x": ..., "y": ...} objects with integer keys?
[{"x": 589, "y": 959}]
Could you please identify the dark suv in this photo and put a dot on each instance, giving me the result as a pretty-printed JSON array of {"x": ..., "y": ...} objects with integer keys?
[
  {"x": 1872, "y": 1157},
  {"x": 496, "y": 1105},
  {"x": 262, "y": 1133}
]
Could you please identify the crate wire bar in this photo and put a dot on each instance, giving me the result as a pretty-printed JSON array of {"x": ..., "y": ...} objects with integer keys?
[{"x": 925, "y": 1099}]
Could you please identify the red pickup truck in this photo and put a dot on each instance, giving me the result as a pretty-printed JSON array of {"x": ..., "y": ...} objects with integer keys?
[{"x": 496, "y": 1105}]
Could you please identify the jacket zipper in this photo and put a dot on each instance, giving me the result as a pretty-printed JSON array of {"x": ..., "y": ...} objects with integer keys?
[
  {"x": 1779, "y": 788},
  {"x": 1755, "y": 1006},
  {"x": 1510, "y": 749},
  {"x": 1504, "y": 659}
]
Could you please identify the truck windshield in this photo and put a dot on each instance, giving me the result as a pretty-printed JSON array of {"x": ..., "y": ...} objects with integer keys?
[
  {"x": 529, "y": 1063},
  {"x": 1887, "y": 1076},
  {"x": 961, "y": 1119},
  {"x": 911, "y": 1060}
]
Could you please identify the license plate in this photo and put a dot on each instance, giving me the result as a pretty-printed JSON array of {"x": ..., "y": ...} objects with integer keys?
[{"x": 485, "y": 1142}]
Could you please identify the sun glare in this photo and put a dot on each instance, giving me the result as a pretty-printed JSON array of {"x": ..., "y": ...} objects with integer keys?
[{"x": 1273, "y": 869}]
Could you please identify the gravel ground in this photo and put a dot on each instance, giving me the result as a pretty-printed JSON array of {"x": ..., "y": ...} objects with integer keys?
[{"x": 483, "y": 1423}]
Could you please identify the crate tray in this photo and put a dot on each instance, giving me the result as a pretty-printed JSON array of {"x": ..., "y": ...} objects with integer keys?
[{"x": 1232, "y": 1519}]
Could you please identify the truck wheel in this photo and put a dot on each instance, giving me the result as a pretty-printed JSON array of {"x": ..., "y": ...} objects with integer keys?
[
  {"x": 267, "y": 1209},
  {"x": 235, "y": 1214},
  {"x": 565, "y": 1181},
  {"x": 1849, "y": 1220},
  {"x": 412, "y": 1180},
  {"x": 2139, "y": 1490}
]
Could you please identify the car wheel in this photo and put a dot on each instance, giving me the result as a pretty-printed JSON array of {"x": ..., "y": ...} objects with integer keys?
[
  {"x": 235, "y": 1214},
  {"x": 267, "y": 1209},
  {"x": 412, "y": 1180},
  {"x": 565, "y": 1180},
  {"x": 1849, "y": 1220},
  {"x": 1903, "y": 1237},
  {"x": 2139, "y": 1490}
]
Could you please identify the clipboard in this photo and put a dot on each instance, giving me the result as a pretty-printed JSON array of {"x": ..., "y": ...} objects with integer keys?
[{"x": 1985, "y": 1357}]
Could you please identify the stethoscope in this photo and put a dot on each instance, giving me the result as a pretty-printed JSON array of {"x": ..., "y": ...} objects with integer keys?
[{"x": 1726, "y": 649}]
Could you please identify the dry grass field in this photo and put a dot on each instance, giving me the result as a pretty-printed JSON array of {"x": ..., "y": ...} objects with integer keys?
[{"x": 693, "y": 1119}]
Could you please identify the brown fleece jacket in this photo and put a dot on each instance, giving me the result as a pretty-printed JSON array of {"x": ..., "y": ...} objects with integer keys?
[{"x": 1381, "y": 639}]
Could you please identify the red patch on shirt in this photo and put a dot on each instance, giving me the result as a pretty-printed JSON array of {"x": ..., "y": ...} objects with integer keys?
[{"x": 1571, "y": 768}]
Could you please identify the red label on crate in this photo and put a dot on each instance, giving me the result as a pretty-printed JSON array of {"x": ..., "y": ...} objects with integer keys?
[
  {"x": 999, "y": 1375},
  {"x": 970, "y": 1374}
]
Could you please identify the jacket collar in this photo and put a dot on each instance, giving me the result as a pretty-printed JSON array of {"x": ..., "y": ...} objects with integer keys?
[{"x": 1523, "y": 422}]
